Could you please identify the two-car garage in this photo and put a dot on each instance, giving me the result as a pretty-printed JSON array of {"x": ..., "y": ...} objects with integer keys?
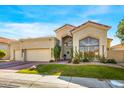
[
  {"x": 36, "y": 49},
  {"x": 33, "y": 55},
  {"x": 38, "y": 55},
  {"x": 18, "y": 55}
]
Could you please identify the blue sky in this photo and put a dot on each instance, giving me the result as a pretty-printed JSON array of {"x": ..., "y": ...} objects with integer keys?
[{"x": 34, "y": 21}]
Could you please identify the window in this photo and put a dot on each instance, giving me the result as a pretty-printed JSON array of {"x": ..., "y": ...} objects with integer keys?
[
  {"x": 67, "y": 42},
  {"x": 89, "y": 44}
]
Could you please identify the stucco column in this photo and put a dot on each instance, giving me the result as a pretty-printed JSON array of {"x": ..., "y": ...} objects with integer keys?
[
  {"x": 103, "y": 51},
  {"x": 22, "y": 51},
  {"x": 61, "y": 44}
]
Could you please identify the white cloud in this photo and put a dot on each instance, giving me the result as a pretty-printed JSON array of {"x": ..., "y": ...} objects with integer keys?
[
  {"x": 26, "y": 30},
  {"x": 96, "y": 10}
]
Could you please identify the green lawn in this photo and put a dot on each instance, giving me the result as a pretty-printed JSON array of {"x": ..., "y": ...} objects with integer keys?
[{"x": 94, "y": 71}]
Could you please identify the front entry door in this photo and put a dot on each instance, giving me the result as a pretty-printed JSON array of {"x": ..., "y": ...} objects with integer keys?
[
  {"x": 67, "y": 52},
  {"x": 67, "y": 46}
]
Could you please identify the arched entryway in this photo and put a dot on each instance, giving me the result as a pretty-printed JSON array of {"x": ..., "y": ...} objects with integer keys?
[{"x": 66, "y": 47}]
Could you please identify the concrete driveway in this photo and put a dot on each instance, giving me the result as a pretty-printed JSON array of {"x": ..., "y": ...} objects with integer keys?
[{"x": 17, "y": 65}]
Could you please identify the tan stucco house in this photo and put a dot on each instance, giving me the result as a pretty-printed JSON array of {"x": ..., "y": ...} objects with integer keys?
[
  {"x": 118, "y": 47},
  {"x": 116, "y": 52},
  {"x": 5, "y": 45},
  {"x": 89, "y": 36}
]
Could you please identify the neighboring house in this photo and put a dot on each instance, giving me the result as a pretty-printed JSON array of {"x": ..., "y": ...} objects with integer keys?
[
  {"x": 118, "y": 47},
  {"x": 4, "y": 45},
  {"x": 117, "y": 52},
  {"x": 88, "y": 37}
]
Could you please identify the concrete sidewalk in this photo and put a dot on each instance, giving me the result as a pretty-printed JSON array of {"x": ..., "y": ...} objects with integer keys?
[{"x": 17, "y": 80}]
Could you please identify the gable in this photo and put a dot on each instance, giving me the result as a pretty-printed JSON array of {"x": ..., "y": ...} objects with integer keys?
[
  {"x": 66, "y": 26},
  {"x": 63, "y": 31},
  {"x": 90, "y": 30},
  {"x": 91, "y": 24}
]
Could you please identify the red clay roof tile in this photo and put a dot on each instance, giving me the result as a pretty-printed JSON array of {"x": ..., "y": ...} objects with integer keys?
[{"x": 5, "y": 40}]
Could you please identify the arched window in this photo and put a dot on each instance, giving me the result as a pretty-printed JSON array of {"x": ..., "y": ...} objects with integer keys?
[
  {"x": 67, "y": 41},
  {"x": 89, "y": 44}
]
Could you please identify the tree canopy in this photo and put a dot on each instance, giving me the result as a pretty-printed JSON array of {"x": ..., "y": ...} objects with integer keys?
[{"x": 120, "y": 31}]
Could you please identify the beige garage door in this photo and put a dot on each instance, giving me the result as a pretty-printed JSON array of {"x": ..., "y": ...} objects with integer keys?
[
  {"x": 38, "y": 55},
  {"x": 18, "y": 55}
]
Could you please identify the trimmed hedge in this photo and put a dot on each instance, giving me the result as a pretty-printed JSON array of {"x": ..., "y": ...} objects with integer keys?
[
  {"x": 112, "y": 61},
  {"x": 2, "y": 54}
]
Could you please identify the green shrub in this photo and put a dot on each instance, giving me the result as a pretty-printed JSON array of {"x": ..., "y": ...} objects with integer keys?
[
  {"x": 57, "y": 51},
  {"x": 51, "y": 61},
  {"x": 2, "y": 54},
  {"x": 75, "y": 61},
  {"x": 89, "y": 56},
  {"x": 69, "y": 61},
  {"x": 85, "y": 59},
  {"x": 102, "y": 59},
  {"x": 112, "y": 61},
  {"x": 77, "y": 57},
  {"x": 71, "y": 54}
]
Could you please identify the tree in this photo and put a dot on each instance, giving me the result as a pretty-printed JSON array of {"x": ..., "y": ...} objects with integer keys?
[
  {"x": 2, "y": 54},
  {"x": 120, "y": 31},
  {"x": 57, "y": 51}
]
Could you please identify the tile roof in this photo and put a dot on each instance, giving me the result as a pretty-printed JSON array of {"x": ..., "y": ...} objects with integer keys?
[
  {"x": 110, "y": 39},
  {"x": 5, "y": 40},
  {"x": 92, "y": 23},
  {"x": 74, "y": 27},
  {"x": 64, "y": 26},
  {"x": 118, "y": 46}
]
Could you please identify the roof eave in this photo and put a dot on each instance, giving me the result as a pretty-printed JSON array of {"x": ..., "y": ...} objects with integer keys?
[
  {"x": 63, "y": 26},
  {"x": 104, "y": 26}
]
